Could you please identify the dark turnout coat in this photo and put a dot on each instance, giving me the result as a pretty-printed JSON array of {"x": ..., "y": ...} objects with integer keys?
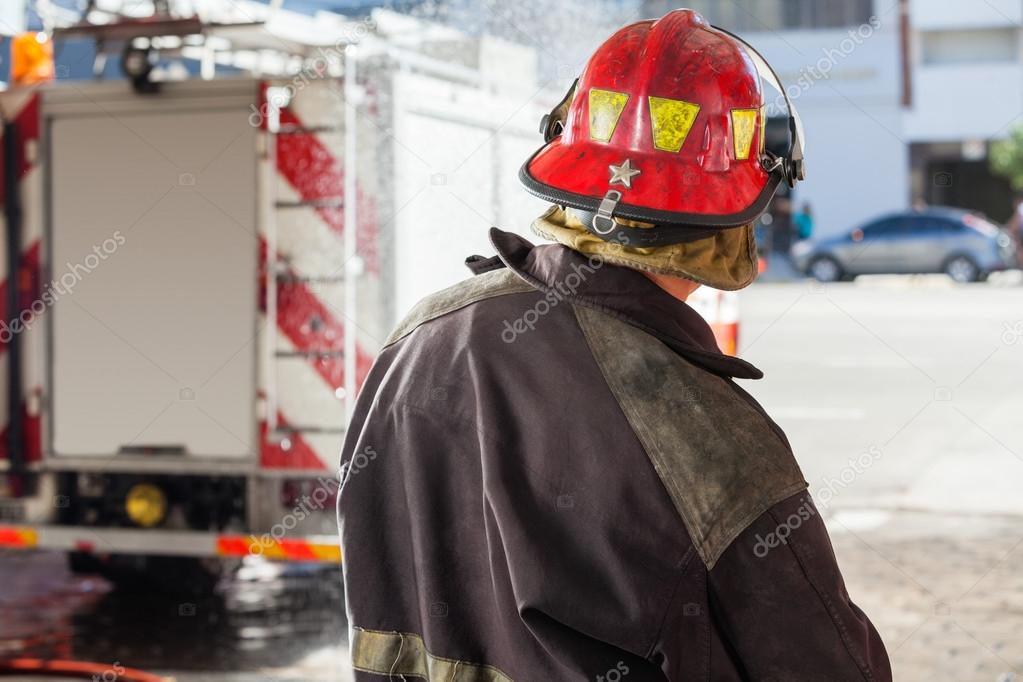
[{"x": 551, "y": 475}]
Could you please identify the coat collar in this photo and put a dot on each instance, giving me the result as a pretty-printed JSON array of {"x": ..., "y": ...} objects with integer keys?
[{"x": 621, "y": 292}]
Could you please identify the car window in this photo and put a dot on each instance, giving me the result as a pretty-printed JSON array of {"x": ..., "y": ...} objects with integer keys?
[
  {"x": 885, "y": 227},
  {"x": 913, "y": 224},
  {"x": 944, "y": 226},
  {"x": 928, "y": 225}
]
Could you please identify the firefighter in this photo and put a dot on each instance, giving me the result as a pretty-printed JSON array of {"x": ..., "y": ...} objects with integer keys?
[{"x": 551, "y": 473}]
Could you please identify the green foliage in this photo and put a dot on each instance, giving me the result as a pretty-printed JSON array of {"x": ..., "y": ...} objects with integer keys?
[{"x": 1007, "y": 157}]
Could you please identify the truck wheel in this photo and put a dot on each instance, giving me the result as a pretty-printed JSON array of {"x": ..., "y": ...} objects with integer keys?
[
  {"x": 181, "y": 574},
  {"x": 83, "y": 563},
  {"x": 170, "y": 574}
]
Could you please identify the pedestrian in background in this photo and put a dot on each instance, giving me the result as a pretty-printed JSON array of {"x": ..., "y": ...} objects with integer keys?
[
  {"x": 782, "y": 228},
  {"x": 804, "y": 221}
]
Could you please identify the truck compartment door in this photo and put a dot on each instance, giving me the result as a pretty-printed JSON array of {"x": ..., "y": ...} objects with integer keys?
[{"x": 154, "y": 257}]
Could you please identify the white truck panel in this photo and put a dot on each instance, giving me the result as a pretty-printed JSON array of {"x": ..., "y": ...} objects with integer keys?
[
  {"x": 457, "y": 150},
  {"x": 139, "y": 344}
]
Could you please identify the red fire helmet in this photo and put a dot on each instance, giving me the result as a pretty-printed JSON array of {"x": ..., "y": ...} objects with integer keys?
[{"x": 665, "y": 126}]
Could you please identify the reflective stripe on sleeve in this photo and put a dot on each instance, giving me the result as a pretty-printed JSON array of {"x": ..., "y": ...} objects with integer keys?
[{"x": 402, "y": 653}]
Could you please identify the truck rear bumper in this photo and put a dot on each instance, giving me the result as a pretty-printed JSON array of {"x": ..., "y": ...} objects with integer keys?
[{"x": 324, "y": 549}]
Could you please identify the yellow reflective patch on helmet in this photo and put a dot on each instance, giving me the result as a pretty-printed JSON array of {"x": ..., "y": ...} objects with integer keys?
[
  {"x": 606, "y": 108},
  {"x": 672, "y": 120},
  {"x": 744, "y": 123}
]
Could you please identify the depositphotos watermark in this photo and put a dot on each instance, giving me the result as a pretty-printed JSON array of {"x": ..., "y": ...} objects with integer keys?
[
  {"x": 561, "y": 290},
  {"x": 112, "y": 674},
  {"x": 615, "y": 674},
  {"x": 319, "y": 67},
  {"x": 62, "y": 286},
  {"x": 854, "y": 467},
  {"x": 325, "y": 491},
  {"x": 573, "y": 280},
  {"x": 360, "y": 460},
  {"x": 1012, "y": 332},
  {"x": 780, "y": 535},
  {"x": 821, "y": 69}
]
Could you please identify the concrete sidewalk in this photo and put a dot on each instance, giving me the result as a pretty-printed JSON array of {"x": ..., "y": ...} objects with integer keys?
[{"x": 945, "y": 591}]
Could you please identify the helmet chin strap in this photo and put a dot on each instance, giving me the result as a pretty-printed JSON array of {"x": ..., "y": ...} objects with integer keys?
[{"x": 610, "y": 229}]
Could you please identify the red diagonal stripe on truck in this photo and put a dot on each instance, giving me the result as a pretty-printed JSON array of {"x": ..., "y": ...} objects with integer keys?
[
  {"x": 28, "y": 285},
  {"x": 26, "y": 278},
  {"x": 316, "y": 174},
  {"x": 298, "y": 454},
  {"x": 312, "y": 327},
  {"x": 32, "y": 432}
]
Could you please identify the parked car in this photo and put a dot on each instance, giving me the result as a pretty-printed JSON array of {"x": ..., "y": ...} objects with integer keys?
[{"x": 961, "y": 244}]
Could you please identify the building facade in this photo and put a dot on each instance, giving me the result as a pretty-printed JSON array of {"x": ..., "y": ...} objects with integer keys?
[{"x": 967, "y": 91}]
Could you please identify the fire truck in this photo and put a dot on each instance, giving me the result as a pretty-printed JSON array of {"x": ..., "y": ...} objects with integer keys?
[{"x": 198, "y": 272}]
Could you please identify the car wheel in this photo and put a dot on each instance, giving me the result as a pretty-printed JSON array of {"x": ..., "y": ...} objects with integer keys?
[
  {"x": 961, "y": 269},
  {"x": 825, "y": 269}
]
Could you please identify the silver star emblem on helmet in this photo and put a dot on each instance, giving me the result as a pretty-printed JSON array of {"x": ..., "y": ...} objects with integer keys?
[{"x": 623, "y": 174}]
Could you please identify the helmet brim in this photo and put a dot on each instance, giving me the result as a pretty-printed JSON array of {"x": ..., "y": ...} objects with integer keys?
[{"x": 576, "y": 175}]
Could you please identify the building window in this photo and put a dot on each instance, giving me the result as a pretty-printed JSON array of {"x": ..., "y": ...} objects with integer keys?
[
  {"x": 969, "y": 46},
  {"x": 773, "y": 15}
]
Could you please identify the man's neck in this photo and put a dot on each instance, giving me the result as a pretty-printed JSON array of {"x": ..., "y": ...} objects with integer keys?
[{"x": 676, "y": 286}]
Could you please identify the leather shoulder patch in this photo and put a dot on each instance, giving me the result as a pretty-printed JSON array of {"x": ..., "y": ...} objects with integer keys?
[
  {"x": 488, "y": 285},
  {"x": 719, "y": 458}
]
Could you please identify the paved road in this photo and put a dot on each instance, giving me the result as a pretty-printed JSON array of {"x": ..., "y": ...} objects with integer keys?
[{"x": 918, "y": 382}]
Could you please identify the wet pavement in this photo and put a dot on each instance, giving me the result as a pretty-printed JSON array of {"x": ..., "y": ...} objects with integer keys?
[{"x": 264, "y": 621}]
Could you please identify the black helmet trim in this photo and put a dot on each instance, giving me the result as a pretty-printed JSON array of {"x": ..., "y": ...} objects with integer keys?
[{"x": 670, "y": 225}]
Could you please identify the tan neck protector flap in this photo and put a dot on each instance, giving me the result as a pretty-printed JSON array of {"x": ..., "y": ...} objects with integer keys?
[{"x": 727, "y": 260}]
